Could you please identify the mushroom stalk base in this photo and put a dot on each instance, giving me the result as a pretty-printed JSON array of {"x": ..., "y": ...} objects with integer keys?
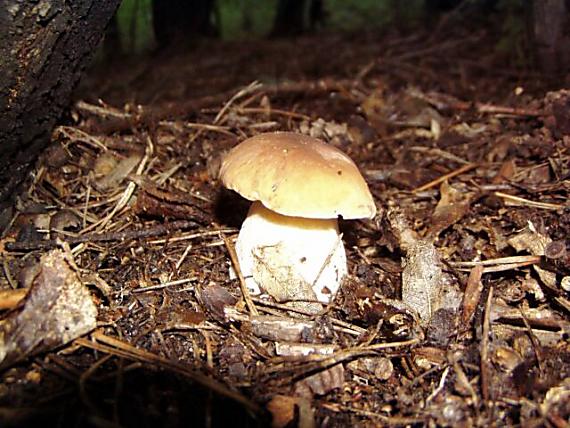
[{"x": 291, "y": 258}]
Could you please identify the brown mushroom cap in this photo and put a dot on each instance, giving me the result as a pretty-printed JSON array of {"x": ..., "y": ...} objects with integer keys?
[{"x": 297, "y": 175}]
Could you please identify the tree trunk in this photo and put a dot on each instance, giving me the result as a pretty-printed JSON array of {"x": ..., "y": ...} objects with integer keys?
[
  {"x": 112, "y": 44},
  {"x": 289, "y": 18},
  {"x": 549, "y": 19},
  {"x": 176, "y": 21},
  {"x": 44, "y": 47},
  {"x": 317, "y": 14}
]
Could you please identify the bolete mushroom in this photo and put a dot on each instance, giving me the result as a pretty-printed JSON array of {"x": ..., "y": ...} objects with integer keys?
[{"x": 289, "y": 245}]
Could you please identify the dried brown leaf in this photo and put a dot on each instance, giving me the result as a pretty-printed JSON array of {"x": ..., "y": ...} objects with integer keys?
[
  {"x": 116, "y": 173},
  {"x": 472, "y": 295},
  {"x": 506, "y": 172},
  {"x": 215, "y": 298},
  {"x": 57, "y": 309},
  {"x": 452, "y": 206},
  {"x": 530, "y": 240}
]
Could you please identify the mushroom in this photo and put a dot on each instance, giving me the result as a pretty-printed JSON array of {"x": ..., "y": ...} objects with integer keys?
[{"x": 289, "y": 245}]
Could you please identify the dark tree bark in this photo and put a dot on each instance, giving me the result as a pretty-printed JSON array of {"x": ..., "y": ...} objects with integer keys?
[
  {"x": 317, "y": 14},
  {"x": 44, "y": 47},
  {"x": 294, "y": 17},
  {"x": 434, "y": 8},
  {"x": 549, "y": 18},
  {"x": 289, "y": 18},
  {"x": 180, "y": 20},
  {"x": 112, "y": 44},
  {"x": 479, "y": 10}
]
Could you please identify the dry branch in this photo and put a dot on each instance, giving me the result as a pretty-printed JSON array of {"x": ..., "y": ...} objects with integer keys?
[{"x": 127, "y": 235}]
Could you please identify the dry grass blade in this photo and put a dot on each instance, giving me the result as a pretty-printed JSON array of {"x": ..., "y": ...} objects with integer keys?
[
  {"x": 517, "y": 200},
  {"x": 274, "y": 111},
  {"x": 321, "y": 362},
  {"x": 498, "y": 261},
  {"x": 102, "y": 111},
  {"x": 507, "y": 267},
  {"x": 190, "y": 236},
  {"x": 440, "y": 153},
  {"x": 252, "y": 87},
  {"x": 124, "y": 200},
  {"x": 501, "y": 264},
  {"x": 393, "y": 421},
  {"x": 123, "y": 236},
  {"x": 346, "y": 327},
  {"x": 164, "y": 285},
  {"x": 444, "y": 177},
  {"x": 75, "y": 134},
  {"x": 237, "y": 269},
  {"x": 485, "y": 380}
]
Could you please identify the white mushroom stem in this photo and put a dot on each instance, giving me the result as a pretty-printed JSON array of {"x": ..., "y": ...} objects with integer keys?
[{"x": 288, "y": 256}]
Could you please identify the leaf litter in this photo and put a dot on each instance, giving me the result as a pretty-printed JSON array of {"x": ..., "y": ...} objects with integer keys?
[{"x": 456, "y": 309}]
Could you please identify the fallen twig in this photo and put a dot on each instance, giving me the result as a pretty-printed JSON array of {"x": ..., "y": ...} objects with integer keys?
[
  {"x": 443, "y": 102},
  {"x": 485, "y": 349},
  {"x": 237, "y": 269},
  {"x": 390, "y": 420},
  {"x": 321, "y": 362},
  {"x": 497, "y": 261},
  {"x": 126, "y": 235},
  {"x": 500, "y": 264},
  {"x": 444, "y": 177},
  {"x": 517, "y": 200}
]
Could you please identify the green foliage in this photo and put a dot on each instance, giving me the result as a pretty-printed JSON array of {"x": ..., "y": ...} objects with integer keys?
[
  {"x": 245, "y": 18},
  {"x": 135, "y": 25},
  {"x": 239, "y": 19},
  {"x": 351, "y": 15}
]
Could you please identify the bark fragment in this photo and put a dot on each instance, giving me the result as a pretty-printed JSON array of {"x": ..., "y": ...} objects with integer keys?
[{"x": 44, "y": 48}]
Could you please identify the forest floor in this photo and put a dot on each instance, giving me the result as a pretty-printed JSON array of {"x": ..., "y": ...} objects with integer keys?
[{"x": 119, "y": 307}]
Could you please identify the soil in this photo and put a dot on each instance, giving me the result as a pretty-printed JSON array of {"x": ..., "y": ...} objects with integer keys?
[{"x": 468, "y": 159}]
